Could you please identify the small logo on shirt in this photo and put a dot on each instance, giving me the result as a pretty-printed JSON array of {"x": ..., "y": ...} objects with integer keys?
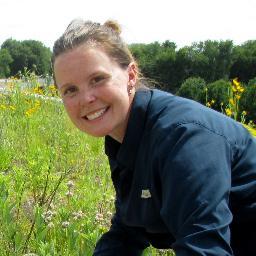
[{"x": 145, "y": 193}]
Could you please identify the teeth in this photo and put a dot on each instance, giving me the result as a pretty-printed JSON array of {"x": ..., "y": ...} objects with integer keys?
[{"x": 96, "y": 114}]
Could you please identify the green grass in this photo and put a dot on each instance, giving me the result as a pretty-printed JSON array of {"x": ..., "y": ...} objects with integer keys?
[{"x": 56, "y": 195}]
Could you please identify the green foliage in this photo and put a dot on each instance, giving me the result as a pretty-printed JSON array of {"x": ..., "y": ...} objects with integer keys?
[
  {"x": 29, "y": 53},
  {"x": 5, "y": 61},
  {"x": 210, "y": 60},
  {"x": 248, "y": 102},
  {"x": 156, "y": 62},
  {"x": 193, "y": 88},
  {"x": 244, "y": 61},
  {"x": 217, "y": 94}
]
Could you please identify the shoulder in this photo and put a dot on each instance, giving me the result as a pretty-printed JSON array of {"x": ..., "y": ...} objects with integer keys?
[{"x": 170, "y": 116}]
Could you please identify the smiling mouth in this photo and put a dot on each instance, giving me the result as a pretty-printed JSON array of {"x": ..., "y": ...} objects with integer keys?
[{"x": 96, "y": 114}]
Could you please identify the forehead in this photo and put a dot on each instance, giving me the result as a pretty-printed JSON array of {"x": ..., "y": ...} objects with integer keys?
[{"x": 83, "y": 54}]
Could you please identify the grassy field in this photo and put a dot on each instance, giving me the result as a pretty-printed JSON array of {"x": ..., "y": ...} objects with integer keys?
[{"x": 56, "y": 196}]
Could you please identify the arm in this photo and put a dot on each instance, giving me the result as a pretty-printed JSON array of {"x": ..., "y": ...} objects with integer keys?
[
  {"x": 121, "y": 240},
  {"x": 196, "y": 181}
]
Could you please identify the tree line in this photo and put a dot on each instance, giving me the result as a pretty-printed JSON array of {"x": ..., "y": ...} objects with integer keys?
[
  {"x": 17, "y": 55},
  {"x": 210, "y": 60}
]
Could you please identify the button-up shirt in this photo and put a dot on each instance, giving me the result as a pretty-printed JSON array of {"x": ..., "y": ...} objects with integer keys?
[{"x": 185, "y": 178}]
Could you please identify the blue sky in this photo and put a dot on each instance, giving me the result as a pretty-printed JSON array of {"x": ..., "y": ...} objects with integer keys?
[{"x": 180, "y": 21}]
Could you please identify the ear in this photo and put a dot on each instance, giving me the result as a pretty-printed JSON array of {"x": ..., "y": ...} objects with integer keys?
[{"x": 132, "y": 74}]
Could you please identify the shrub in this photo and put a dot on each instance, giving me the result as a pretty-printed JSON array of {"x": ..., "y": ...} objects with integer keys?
[
  {"x": 218, "y": 93},
  {"x": 193, "y": 88},
  {"x": 248, "y": 102}
]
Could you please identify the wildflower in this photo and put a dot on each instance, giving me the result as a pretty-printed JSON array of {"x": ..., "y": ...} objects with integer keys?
[
  {"x": 228, "y": 111},
  {"x": 78, "y": 215},
  {"x": 231, "y": 101},
  {"x": 50, "y": 225},
  {"x": 12, "y": 107},
  {"x": 208, "y": 104},
  {"x": 2, "y": 106},
  {"x": 37, "y": 103},
  {"x": 65, "y": 224},
  {"x": 213, "y": 101},
  {"x": 235, "y": 82},
  {"x": 69, "y": 194},
  {"x": 234, "y": 89},
  {"x": 99, "y": 217},
  {"x": 38, "y": 90},
  {"x": 238, "y": 97},
  {"x": 70, "y": 184},
  {"x": 47, "y": 216},
  {"x": 244, "y": 113}
]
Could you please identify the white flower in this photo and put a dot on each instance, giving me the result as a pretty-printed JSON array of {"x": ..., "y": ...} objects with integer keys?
[
  {"x": 50, "y": 225},
  {"x": 65, "y": 224},
  {"x": 69, "y": 194},
  {"x": 70, "y": 184}
]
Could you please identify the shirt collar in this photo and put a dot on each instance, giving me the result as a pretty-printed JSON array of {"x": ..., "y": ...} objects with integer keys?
[{"x": 125, "y": 153}]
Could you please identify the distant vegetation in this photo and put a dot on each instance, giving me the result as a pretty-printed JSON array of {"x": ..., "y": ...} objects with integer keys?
[
  {"x": 209, "y": 60},
  {"x": 16, "y": 55}
]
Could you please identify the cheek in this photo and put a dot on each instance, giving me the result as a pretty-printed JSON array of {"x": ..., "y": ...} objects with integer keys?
[{"x": 70, "y": 106}]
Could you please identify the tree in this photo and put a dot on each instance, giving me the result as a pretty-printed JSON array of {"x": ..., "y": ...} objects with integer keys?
[
  {"x": 244, "y": 61},
  {"x": 5, "y": 61},
  {"x": 30, "y": 54}
]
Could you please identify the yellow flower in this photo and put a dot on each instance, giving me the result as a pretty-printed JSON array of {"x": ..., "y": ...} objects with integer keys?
[
  {"x": 238, "y": 97},
  {"x": 244, "y": 113},
  {"x": 208, "y": 104},
  {"x": 38, "y": 90},
  {"x": 234, "y": 89},
  {"x": 235, "y": 82},
  {"x": 12, "y": 107},
  {"x": 52, "y": 87},
  {"x": 2, "y": 106},
  {"x": 213, "y": 101},
  {"x": 37, "y": 103},
  {"x": 231, "y": 101},
  {"x": 228, "y": 111}
]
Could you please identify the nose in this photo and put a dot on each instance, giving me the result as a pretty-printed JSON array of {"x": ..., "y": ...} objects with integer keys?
[{"x": 87, "y": 97}]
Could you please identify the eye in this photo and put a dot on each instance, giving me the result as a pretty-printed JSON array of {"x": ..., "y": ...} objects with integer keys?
[
  {"x": 97, "y": 79},
  {"x": 69, "y": 91}
]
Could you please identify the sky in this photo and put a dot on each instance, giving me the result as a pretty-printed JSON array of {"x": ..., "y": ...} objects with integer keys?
[{"x": 142, "y": 21}]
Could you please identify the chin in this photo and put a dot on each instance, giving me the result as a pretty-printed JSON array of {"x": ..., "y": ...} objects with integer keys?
[{"x": 97, "y": 134}]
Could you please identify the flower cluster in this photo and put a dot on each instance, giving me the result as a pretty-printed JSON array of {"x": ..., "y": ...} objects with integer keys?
[
  {"x": 33, "y": 109},
  {"x": 70, "y": 185},
  {"x": 235, "y": 92}
]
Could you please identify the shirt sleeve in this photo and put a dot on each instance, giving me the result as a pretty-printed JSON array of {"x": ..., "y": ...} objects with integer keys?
[
  {"x": 121, "y": 239},
  {"x": 196, "y": 182}
]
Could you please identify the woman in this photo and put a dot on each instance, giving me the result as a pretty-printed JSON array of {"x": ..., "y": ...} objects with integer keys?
[{"x": 184, "y": 175}]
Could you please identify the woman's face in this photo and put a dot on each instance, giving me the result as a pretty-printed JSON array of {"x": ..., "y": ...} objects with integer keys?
[{"x": 95, "y": 90}]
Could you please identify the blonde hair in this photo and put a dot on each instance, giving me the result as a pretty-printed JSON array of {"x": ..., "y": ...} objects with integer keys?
[{"x": 106, "y": 36}]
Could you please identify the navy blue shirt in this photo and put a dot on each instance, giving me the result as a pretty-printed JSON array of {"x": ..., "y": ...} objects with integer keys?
[{"x": 185, "y": 178}]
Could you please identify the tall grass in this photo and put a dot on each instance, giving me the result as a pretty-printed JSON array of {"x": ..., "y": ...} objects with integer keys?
[{"x": 56, "y": 196}]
